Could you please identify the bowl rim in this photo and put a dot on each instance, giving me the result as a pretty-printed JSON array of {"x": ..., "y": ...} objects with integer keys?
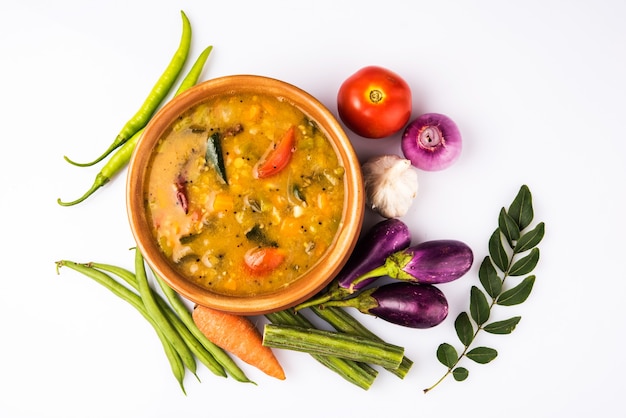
[{"x": 353, "y": 209}]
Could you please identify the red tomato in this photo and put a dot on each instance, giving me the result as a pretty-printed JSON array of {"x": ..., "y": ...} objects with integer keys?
[
  {"x": 374, "y": 102},
  {"x": 261, "y": 260},
  {"x": 277, "y": 157}
]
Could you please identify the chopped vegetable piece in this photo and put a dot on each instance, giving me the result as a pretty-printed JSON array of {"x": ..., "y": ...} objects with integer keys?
[
  {"x": 237, "y": 335},
  {"x": 262, "y": 260},
  {"x": 277, "y": 156},
  {"x": 181, "y": 194}
]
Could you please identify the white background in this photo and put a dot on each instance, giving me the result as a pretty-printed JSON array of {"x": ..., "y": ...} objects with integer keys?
[{"x": 537, "y": 89}]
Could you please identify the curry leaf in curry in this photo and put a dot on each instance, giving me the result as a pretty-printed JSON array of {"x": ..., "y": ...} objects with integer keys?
[
  {"x": 214, "y": 156},
  {"x": 257, "y": 234}
]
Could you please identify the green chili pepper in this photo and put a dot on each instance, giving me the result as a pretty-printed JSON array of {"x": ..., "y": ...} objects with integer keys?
[
  {"x": 154, "y": 99},
  {"x": 123, "y": 154}
]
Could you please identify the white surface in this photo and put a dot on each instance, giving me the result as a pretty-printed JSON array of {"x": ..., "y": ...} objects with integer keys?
[{"x": 537, "y": 89}]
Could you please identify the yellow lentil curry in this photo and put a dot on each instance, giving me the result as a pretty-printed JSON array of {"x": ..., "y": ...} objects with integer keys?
[{"x": 244, "y": 194}]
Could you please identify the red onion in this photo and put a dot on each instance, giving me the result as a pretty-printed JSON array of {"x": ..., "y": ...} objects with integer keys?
[{"x": 432, "y": 142}]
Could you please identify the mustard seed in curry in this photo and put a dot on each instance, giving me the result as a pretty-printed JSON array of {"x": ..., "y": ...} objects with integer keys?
[{"x": 244, "y": 194}]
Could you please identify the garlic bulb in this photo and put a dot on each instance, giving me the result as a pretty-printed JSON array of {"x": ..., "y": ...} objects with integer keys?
[{"x": 390, "y": 185}]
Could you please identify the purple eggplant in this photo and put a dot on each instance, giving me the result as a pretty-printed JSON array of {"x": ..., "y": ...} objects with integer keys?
[
  {"x": 408, "y": 304},
  {"x": 431, "y": 262},
  {"x": 382, "y": 240}
]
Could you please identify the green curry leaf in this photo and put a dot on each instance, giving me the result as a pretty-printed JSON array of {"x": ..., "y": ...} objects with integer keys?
[
  {"x": 530, "y": 239},
  {"x": 479, "y": 306},
  {"x": 503, "y": 327},
  {"x": 511, "y": 226},
  {"x": 489, "y": 278},
  {"x": 482, "y": 355},
  {"x": 525, "y": 265},
  {"x": 447, "y": 355},
  {"x": 521, "y": 210},
  {"x": 508, "y": 226},
  {"x": 464, "y": 328},
  {"x": 460, "y": 374},
  {"x": 518, "y": 294},
  {"x": 497, "y": 252}
]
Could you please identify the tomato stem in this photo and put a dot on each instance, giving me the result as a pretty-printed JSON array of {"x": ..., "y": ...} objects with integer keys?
[{"x": 376, "y": 96}]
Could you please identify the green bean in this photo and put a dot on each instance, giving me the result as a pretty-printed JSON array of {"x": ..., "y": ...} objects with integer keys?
[
  {"x": 149, "y": 301},
  {"x": 154, "y": 99},
  {"x": 194, "y": 73},
  {"x": 220, "y": 355},
  {"x": 134, "y": 299},
  {"x": 344, "y": 322},
  {"x": 204, "y": 355},
  {"x": 360, "y": 374},
  {"x": 122, "y": 155},
  {"x": 194, "y": 345},
  {"x": 313, "y": 340}
]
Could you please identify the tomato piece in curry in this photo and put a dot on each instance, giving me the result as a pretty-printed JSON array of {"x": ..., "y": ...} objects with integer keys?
[{"x": 222, "y": 224}]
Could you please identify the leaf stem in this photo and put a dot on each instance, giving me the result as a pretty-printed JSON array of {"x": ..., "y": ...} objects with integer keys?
[{"x": 461, "y": 356}]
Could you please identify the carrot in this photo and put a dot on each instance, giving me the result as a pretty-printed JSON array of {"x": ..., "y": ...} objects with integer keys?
[{"x": 238, "y": 336}]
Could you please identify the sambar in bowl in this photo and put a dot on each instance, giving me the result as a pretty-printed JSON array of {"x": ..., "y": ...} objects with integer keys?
[{"x": 245, "y": 194}]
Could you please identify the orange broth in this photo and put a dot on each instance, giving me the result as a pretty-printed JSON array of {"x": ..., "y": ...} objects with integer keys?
[{"x": 206, "y": 226}]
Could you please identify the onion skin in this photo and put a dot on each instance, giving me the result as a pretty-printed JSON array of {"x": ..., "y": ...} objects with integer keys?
[
  {"x": 403, "y": 303},
  {"x": 381, "y": 240},
  {"x": 432, "y": 142}
]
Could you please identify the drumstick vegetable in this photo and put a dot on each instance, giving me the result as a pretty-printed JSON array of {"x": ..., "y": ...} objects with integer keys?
[
  {"x": 237, "y": 335},
  {"x": 122, "y": 156},
  {"x": 348, "y": 346},
  {"x": 344, "y": 322},
  {"x": 154, "y": 99},
  {"x": 360, "y": 374}
]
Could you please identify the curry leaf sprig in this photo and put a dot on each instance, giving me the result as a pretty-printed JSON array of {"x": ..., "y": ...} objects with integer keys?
[{"x": 513, "y": 253}]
